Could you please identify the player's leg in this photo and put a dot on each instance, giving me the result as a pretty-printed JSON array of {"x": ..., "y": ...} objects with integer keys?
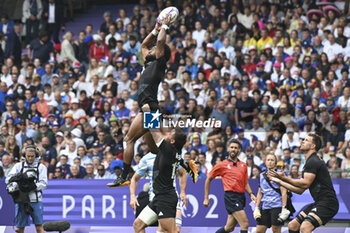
[
  {"x": 276, "y": 229},
  {"x": 146, "y": 218},
  {"x": 294, "y": 225},
  {"x": 242, "y": 220},
  {"x": 168, "y": 225},
  {"x": 261, "y": 228},
  {"x": 230, "y": 225},
  {"x": 159, "y": 229},
  {"x": 319, "y": 215},
  {"x": 135, "y": 132}
]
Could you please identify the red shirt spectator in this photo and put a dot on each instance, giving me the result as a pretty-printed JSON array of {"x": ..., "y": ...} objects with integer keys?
[{"x": 98, "y": 49}]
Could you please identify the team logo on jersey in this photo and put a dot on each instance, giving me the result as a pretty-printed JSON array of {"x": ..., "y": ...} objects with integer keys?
[
  {"x": 151, "y": 120},
  {"x": 228, "y": 166},
  {"x": 160, "y": 213}
]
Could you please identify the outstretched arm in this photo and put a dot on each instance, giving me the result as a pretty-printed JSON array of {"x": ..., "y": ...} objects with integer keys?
[
  {"x": 288, "y": 186},
  {"x": 303, "y": 183},
  {"x": 206, "y": 190},
  {"x": 183, "y": 185},
  {"x": 148, "y": 41},
  {"x": 133, "y": 185},
  {"x": 161, "y": 38}
]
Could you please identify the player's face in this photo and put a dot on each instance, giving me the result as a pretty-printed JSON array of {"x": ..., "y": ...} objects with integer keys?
[
  {"x": 151, "y": 56},
  {"x": 170, "y": 136},
  {"x": 306, "y": 144},
  {"x": 233, "y": 150}
]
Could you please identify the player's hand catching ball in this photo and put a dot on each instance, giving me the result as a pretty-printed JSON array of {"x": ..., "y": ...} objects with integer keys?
[
  {"x": 167, "y": 20},
  {"x": 158, "y": 26},
  {"x": 206, "y": 202},
  {"x": 133, "y": 202}
]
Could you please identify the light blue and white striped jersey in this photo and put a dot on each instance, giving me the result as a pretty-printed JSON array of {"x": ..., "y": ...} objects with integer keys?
[{"x": 146, "y": 167}]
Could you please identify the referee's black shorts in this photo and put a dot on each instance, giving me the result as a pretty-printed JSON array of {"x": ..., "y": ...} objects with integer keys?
[
  {"x": 269, "y": 217},
  {"x": 234, "y": 201}
]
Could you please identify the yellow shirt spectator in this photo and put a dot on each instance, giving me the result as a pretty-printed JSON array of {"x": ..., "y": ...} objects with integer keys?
[{"x": 262, "y": 42}]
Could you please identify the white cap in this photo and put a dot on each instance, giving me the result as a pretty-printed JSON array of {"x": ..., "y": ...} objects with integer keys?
[
  {"x": 322, "y": 105},
  {"x": 74, "y": 101},
  {"x": 60, "y": 134},
  {"x": 96, "y": 37},
  {"x": 76, "y": 132},
  {"x": 197, "y": 86}
]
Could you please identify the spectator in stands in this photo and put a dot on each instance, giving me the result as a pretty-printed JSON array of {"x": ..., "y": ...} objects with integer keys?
[
  {"x": 98, "y": 48},
  {"x": 6, "y": 164},
  {"x": 53, "y": 18},
  {"x": 101, "y": 173},
  {"x": 13, "y": 47},
  {"x": 89, "y": 172},
  {"x": 67, "y": 50},
  {"x": 58, "y": 175},
  {"x": 24, "y": 133},
  {"x": 41, "y": 48},
  {"x": 31, "y": 14},
  {"x": 334, "y": 169}
]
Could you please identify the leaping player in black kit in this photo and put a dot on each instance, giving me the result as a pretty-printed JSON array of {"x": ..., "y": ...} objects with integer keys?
[
  {"x": 316, "y": 178},
  {"x": 163, "y": 205},
  {"x": 154, "y": 71}
]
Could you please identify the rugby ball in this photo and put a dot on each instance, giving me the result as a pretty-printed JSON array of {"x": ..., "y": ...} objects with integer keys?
[{"x": 172, "y": 11}]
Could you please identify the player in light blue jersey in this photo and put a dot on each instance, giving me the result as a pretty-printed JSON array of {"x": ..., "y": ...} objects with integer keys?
[
  {"x": 273, "y": 199},
  {"x": 145, "y": 167}
]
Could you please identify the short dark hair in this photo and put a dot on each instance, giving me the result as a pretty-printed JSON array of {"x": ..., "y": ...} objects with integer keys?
[
  {"x": 316, "y": 140},
  {"x": 180, "y": 139},
  {"x": 236, "y": 142}
]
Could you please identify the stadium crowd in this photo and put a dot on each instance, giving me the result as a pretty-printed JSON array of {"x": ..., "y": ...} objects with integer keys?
[{"x": 271, "y": 71}]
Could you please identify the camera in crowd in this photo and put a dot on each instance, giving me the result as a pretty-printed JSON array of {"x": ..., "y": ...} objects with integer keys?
[{"x": 20, "y": 185}]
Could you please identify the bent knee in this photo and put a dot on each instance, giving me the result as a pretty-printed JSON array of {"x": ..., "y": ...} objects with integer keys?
[
  {"x": 276, "y": 229},
  {"x": 245, "y": 225},
  {"x": 146, "y": 108},
  {"x": 293, "y": 225},
  {"x": 138, "y": 225}
]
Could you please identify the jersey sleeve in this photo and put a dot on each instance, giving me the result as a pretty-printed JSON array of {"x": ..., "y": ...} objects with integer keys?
[
  {"x": 246, "y": 173},
  {"x": 311, "y": 167},
  {"x": 216, "y": 171},
  {"x": 141, "y": 168}
]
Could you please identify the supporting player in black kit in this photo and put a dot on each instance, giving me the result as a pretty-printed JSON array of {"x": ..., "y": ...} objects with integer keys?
[
  {"x": 154, "y": 71},
  {"x": 163, "y": 205},
  {"x": 316, "y": 178}
]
